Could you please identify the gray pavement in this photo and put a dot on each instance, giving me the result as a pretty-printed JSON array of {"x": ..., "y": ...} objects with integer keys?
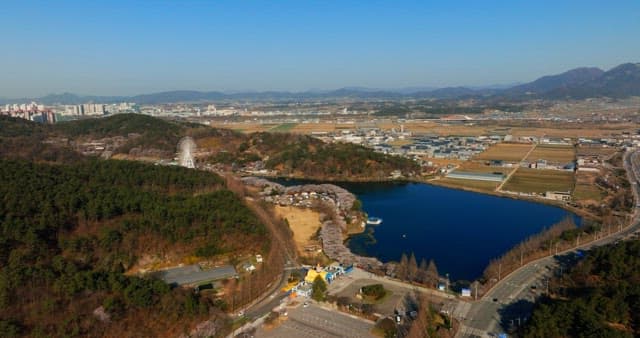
[
  {"x": 348, "y": 286},
  {"x": 193, "y": 274},
  {"x": 388, "y": 304},
  {"x": 315, "y": 322}
]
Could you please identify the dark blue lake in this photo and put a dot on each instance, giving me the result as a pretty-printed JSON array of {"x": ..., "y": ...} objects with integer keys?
[{"x": 462, "y": 231}]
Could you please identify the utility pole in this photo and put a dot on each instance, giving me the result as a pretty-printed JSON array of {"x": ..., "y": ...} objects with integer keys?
[
  {"x": 547, "y": 286},
  {"x": 499, "y": 271},
  {"x": 557, "y": 248},
  {"x": 476, "y": 285},
  {"x": 520, "y": 257}
]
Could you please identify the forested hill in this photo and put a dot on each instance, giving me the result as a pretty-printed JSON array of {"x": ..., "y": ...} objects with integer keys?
[
  {"x": 133, "y": 135},
  {"x": 308, "y": 157},
  {"x": 599, "y": 297},
  {"x": 149, "y": 134},
  {"x": 68, "y": 232},
  {"x": 136, "y": 136}
]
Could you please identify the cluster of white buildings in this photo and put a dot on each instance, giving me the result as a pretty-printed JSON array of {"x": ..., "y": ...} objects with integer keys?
[
  {"x": 29, "y": 111},
  {"x": 450, "y": 147},
  {"x": 49, "y": 114},
  {"x": 84, "y": 109}
]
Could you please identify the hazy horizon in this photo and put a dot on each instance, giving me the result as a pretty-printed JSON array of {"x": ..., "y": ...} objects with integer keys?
[{"x": 131, "y": 48}]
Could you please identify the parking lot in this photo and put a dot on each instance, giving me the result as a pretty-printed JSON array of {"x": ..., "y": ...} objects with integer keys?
[{"x": 315, "y": 322}]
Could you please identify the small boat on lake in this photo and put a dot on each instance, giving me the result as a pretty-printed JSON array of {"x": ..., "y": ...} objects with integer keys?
[{"x": 374, "y": 220}]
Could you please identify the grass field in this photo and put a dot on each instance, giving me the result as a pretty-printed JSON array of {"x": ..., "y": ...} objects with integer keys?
[
  {"x": 539, "y": 181},
  {"x": 244, "y": 127},
  {"x": 442, "y": 129},
  {"x": 304, "y": 223},
  {"x": 308, "y": 128},
  {"x": 586, "y": 189},
  {"x": 399, "y": 143},
  {"x": 283, "y": 128},
  {"x": 477, "y": 167},
  {"x": 596, "y": 151},
  {"x": 588, "y": 192},
  {"x": 602, "y": 130},
  {"x": 510, "y": 152},
  {"x": 554, "y": 154},
  {"x": 470, "y": 184}
]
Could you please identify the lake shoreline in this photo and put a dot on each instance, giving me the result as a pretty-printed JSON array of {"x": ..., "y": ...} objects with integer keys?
[
  {"x": 369, "y": 247},
  {"x": 578, "y": 211}
]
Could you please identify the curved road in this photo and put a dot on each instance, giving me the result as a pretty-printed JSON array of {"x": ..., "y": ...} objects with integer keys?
[{"x": 511, "y": 300}]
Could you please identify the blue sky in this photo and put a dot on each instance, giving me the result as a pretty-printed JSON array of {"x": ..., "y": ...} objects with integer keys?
[{"x": 134, "y": 47}]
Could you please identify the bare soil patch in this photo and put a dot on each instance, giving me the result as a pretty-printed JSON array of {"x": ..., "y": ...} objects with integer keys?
[{"x": 305, "y": 224}]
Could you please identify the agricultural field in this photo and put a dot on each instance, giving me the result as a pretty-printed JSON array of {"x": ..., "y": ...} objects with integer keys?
[
  {"x": 601, "y": 130},
  {"x": 442, "y": 129},
  {"x": 588, "y": 192},
  {"x": 539, "y": 181},
  {"x": 283, "y": 128},
  {"x": 596, "y": 151},
  {"x": 586, "y": 189},
  {"x": 477, "y": 167},
  {"x": 553, "y": 154},
  {"x": 244, "y": 127},
  {"x": 509, "y": 152},
  {"x": 308, "y": 128},
  {"x": 468, "y": 184}
]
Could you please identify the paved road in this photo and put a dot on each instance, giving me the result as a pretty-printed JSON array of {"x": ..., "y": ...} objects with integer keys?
[
  {"x": 510, "y": 301},
  {"x": 344, "y": 281}
]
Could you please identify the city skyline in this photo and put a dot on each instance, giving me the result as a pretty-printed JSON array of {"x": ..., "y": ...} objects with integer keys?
[{"x": 135, "y": 48}]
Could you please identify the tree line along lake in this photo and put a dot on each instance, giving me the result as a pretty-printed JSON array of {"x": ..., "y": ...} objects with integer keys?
[{"x": 460, "y": 230}]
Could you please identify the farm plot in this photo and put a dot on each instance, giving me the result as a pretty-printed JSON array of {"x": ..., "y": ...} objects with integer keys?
[
  {"x": 539, "y": 181},
  {"x": 586, "y": 188},
  {"x": 476, "y": 167},
  {"x": 553, "y": 154},
  {"x": 467, "y": 184},
  {"x": 283, "y": 128},
  {"x": 510, "y": 152}
]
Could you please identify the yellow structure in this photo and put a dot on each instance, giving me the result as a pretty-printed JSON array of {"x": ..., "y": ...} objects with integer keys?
[
  {"x": 312, "y": 274},
  {"x": 289, "y": 286}
]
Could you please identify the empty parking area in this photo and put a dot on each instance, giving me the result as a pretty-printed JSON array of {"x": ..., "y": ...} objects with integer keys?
[{"x": 314, "y": 322}]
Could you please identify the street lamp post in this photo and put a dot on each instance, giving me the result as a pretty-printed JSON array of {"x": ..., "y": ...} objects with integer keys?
[
  {"x": 476, "y": 285},
  {"x": 520, "y": 257}
]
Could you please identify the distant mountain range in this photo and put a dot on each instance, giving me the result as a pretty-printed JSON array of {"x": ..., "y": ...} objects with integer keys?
[{"x": 619, "y": 82}]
